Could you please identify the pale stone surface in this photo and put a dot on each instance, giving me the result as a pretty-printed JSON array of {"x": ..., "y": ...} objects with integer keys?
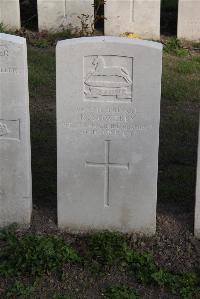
[
  {"x": 108, "y": 106},
  {"x": 139, "y": 16},
  {"x": 189, "y": 19},
  {"x": 10, "y": 13},
  {"x": 197, "y": 207},
  {"x": 15, "y": 156},
  {"x": 54, "y": 15}
]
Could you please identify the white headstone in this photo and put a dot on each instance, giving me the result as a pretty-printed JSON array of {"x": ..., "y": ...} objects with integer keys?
[
  {"x": 138, "y": 16},
  {"x": 15, "y": 156},
  {"x": 10, "y": 13},
  {"x": 55, "y": 15},
  {"x": 108, "y": 105},
  {"x": 189, "y": 19},
  {"x": 197, "y": 207}
]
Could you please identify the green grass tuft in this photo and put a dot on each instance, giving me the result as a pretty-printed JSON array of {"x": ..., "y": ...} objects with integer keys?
[
  {"x": 173, "y": 46},
  {"x": 2, "y": 28},
  {"x": 120, "y": 291},
  {"x": 111, "y": 249},
  {"x": 34, "y": 255},
  {"x": 107, "y": 248},
  {"x": 18, "y": 289},
  {"x": 180, "y": 80},
  {"x": 185, "y": 285},
  {"x": 142, "y": 266},
  {"x": 57, "y": 296}
]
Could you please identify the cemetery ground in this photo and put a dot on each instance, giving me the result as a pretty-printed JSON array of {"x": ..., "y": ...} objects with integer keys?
[{"x": 43, "y": 262}]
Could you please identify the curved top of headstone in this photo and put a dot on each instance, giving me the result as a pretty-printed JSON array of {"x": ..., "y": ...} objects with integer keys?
[
  {"x": 111, "y": 39},
  {"x": 12, "y": 38}
]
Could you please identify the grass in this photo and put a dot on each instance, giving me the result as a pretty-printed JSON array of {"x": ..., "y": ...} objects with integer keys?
[
  {"x": 107, "y": 249},
  {"x": 41, "y": 72},
  {"x": 43, "y": 123},
  {"x": 57, "y": 296},
  {"x": 178, "y": 131},
  {"x": 33, "y": 257},
  {"x": 111, "y": 249},
  {"x": 189, "y": 66},
  {"x": 121, "y": 292},
  {"x": 2, "y": 28},
  {"x": 18, "y": 289},
  {"x": 174, "y": 46},
  {"x": 181, "y": 80}
]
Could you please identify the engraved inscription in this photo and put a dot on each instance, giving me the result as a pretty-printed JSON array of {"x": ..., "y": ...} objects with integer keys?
[
  {"x": 106, "y": 121},
  {"x": 108, "y": 78},
  {"x": 107, "y": 165},
  {"x": 3, "y": 51},
  {"x": 9, "y": 129},
  {"x": 4, "y": 67},
  {"x": 10, "y": 70}
]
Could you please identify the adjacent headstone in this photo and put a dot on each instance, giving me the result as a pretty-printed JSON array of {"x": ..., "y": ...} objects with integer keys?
[
  {"x": 15, "y": 156},
  {"x": 197, "y": 207},
  {"x": 56, "y": 15},
  {"x": 189, "y": 19},
  {"x": 138, "y": 16},
  {"x": 108, "y": 106},
  {"x": 10, "y": 14}
]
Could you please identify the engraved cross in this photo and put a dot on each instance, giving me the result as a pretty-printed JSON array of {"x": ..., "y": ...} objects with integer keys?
[{"x": 107, "y": 165}]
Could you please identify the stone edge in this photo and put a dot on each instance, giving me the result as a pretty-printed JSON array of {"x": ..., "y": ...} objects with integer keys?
[
  {"x": 12, "y": 38},
  {"x": 111, "y": 39}
]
